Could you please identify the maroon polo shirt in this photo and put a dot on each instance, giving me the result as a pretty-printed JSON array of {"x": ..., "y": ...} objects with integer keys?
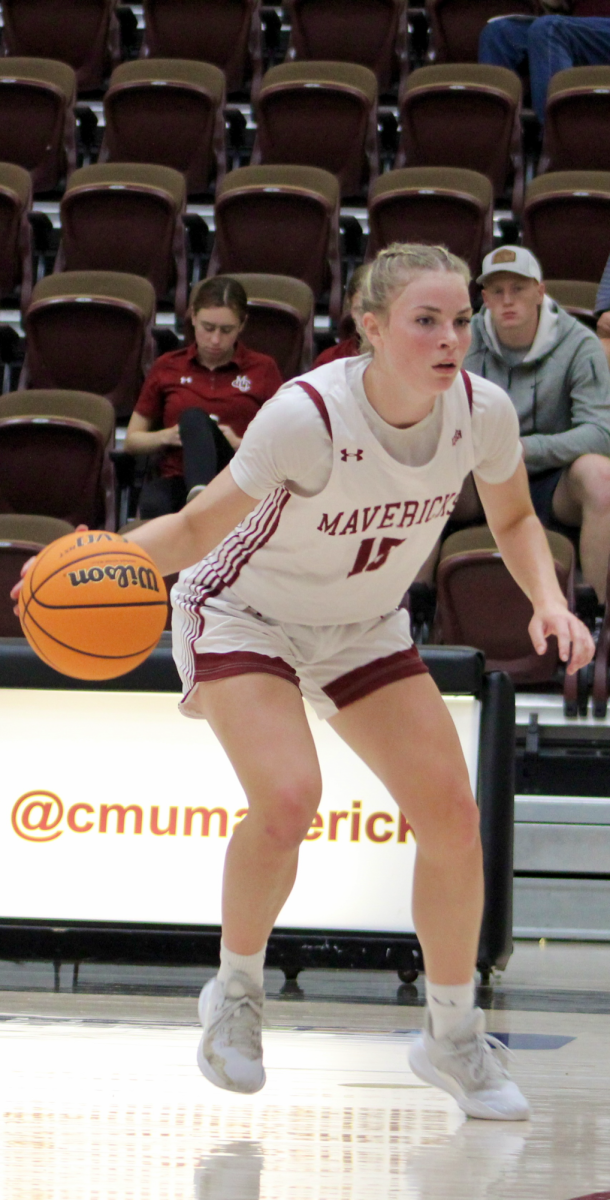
[
  {"x": 233, "y": 393},
  {"x": 348, "y": 348}
]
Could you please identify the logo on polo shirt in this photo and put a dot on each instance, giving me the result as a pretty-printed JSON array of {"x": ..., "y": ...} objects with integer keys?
[
  {"x": 242, "y": 383},
  {"x": 186, "y": 379},
  {"x": 456, "y": 437}
]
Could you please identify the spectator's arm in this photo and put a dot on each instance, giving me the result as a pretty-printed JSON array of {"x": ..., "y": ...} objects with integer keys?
[
  {"x": 590, "y": 433},
  {"x": 141, "y": 439}
]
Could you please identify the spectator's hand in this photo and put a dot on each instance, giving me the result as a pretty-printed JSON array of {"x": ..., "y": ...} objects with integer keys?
[
  {"x": 171, "y": 436},
  {"x": 232, "y": 438},
  {"x": 14, "y": 592},
  {"x": 576, "y": 646}
]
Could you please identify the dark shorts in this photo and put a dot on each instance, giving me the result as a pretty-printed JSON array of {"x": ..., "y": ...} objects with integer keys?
[{"x": 542, "y": 490}]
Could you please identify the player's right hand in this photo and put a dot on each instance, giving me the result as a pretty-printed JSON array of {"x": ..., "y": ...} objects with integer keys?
[{"x": 15, "y": 590}]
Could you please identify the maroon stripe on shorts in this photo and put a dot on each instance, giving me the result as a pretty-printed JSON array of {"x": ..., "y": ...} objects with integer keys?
[
  {"x": 241, "y": 662},
  {"x": 364, "y": 680},
  {"x": 314, "y": 395}
]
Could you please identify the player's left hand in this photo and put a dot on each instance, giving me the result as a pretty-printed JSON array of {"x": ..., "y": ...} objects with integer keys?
[{"x": 576, "y": 646}]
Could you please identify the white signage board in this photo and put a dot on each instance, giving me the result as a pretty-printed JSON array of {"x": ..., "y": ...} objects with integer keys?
[{"x": 115, "y": 807}]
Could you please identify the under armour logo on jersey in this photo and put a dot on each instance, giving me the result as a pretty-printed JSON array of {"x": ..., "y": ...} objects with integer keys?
[
  {"x": 456, "y": 437},
  {"x": 186, "y": 379},
  {"x": 242, "y": 383},
  {"x": 357, "y": 454}
]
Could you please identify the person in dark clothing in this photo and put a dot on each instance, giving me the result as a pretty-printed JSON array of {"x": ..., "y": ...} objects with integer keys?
[
  {"x": 197, "y": 402},
  {"x": 549, "y": 44}
]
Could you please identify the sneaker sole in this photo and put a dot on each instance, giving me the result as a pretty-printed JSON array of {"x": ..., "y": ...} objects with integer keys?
[
  {"x": 422, "y": 1067},
  {"x": 206, "y": 1067}
]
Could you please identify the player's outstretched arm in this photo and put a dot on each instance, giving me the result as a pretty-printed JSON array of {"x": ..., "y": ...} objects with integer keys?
[
  {"x": 184, "y": 538},
  {"x": 523, "y": 545}
]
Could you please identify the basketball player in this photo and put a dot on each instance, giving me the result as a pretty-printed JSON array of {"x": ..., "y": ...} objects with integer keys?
[{"x": 293, "y": 563}]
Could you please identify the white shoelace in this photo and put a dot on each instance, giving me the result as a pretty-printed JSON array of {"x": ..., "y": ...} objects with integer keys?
[
  {"x": 481, "y": 1060},
  {"x": 239, "y": 1024}
]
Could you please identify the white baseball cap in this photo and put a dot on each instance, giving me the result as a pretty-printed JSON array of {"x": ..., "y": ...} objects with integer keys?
[{"x": 515, "y": 259}]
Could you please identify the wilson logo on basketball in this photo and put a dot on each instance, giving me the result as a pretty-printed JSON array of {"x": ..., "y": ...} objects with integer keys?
[
  {"x": 123, "y": 574},
  {"x": 41, "y": 816}
]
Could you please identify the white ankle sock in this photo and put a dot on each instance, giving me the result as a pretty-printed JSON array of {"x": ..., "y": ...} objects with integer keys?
[
  {"x": 250, "y": 964},
  {"x": 448, "y": 1005}
]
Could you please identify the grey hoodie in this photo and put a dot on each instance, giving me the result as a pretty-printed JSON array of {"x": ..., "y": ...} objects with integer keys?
[{"x": 561, "y": 389}]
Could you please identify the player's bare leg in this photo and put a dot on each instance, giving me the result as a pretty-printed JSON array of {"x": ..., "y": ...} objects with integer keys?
[
  {"x": 406, "y": 736},
  {"x": 260, "y": 722}
]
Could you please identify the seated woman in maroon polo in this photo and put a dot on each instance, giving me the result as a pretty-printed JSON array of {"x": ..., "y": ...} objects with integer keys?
[
  {"x": 197, "y": 402},
  {"x": 349, "y": 346}
]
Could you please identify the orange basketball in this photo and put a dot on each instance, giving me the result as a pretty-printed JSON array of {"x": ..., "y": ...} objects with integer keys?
[{"x": 93, "y": 605}]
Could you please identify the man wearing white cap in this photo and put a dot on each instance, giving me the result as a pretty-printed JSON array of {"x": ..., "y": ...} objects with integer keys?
[{"x": 556, "y": 373}]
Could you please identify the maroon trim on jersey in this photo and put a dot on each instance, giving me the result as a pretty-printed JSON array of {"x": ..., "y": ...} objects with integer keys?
[
  {"x": 241, "y": 662},
  {"x": 468, "y": 386},
  {"x": 238, "y": 553},
  {"x": 319, "y": 403},
  {"x": 376, "y": 674}
]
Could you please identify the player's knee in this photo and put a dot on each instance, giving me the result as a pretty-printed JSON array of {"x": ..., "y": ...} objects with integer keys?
[
  {"x": 456, "y": 833},
  {"x": 293, "y": 809},
  {"x": 589, "y": 479},
  {"x": 542, "y": 29}
]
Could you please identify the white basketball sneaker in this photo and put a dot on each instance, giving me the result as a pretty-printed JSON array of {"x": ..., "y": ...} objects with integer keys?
[
  {"x": 471, "y": 1066},
  {"x": 230, "y": 1053}
]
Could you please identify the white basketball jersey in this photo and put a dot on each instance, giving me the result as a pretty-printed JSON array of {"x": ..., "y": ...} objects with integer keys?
[{"x": 350, "y": 552}]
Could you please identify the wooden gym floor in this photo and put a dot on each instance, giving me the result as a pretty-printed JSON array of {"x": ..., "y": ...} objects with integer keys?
[{"x": 101, "y": 1099}]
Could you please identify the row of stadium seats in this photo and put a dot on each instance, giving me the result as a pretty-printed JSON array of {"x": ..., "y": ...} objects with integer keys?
[
  {"x": 92, "y": 331},
  {"x": 170, "y": 112},
  {"x": 228, "y": 32},
  {"x": 284, "y": 220}
]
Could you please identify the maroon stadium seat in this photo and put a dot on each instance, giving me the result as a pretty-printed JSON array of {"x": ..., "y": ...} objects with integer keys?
[
  {"x": 479, "y": 604},
  {"x": 370, "y": 32},
  {"x": 297, "y": 100},
  {"x": 576, "y": 122},
  {"x": 170, "y": 112},
  {"x": 54, "y": 456},
  {"x": 280, "y": 220},
  {"x": 566, "y": 223},
  {"x": 37, "y": 127},
  {"x": 226, "y": 33},
  {"x": 126, "y": 217},
  {"x": 15, "y": 232},
  {"x": 90, "y": 331},
  {"x": 464, "y": 115},
  {"x": 280, "y": 320},
  {"x": 82, "y": 33},
  {"x": 436, "y": 205},
  {"x": 457, "y": 25}
]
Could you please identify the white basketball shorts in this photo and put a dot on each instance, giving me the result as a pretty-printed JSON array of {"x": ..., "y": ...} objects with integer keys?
[{"x": 333, "y": 665}]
